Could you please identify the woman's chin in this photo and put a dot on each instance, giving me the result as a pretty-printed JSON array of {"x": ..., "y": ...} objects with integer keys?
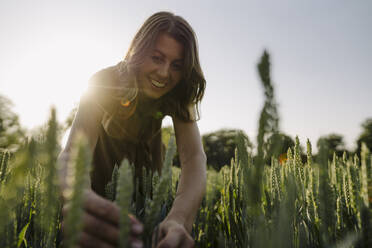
[{"x": 150, "y": 95}]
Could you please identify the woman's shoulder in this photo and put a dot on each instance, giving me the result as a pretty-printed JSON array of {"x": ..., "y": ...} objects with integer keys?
[
  {"x": 108, "y": 76},
  {"x": 110, "y": 82},
  {"x": 104, "y": 89}
]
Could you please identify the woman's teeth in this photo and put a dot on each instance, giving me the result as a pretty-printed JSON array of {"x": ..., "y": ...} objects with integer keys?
[{"x": 157, "y": 84}]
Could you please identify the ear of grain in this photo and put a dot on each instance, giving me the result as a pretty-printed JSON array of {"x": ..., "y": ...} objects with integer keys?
[
  {"x": 77, "y": 181},
  {"x": 124, "y": 199}
]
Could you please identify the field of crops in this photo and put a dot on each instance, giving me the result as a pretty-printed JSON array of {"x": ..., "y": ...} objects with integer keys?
[{"x": 289, "y": 203}]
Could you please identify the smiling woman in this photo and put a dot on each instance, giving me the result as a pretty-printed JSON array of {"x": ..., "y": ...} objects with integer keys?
[{"x": 121, "y": 115}]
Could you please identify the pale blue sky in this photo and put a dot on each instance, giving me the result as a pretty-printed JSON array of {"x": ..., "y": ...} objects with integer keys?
[{"x": 321, "y": 55}]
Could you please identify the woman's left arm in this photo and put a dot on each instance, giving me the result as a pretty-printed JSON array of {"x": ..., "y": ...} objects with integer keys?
[{"x": 176, "y": 228}]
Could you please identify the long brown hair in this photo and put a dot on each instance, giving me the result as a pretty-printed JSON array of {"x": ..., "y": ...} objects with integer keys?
[{"x": 190, "y": 90}]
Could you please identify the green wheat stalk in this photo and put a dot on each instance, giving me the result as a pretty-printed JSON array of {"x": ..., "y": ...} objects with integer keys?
[
  {"x": 160, "y": 191},
  {"x": 51, "y": 197},
  {"x": 110, "y": 188},
  {"x": 5, "y": 155},
  {"x": 124, "y": 195},
  {"x": 77, "y": 182},
  {"x": 364, "y": 175}
]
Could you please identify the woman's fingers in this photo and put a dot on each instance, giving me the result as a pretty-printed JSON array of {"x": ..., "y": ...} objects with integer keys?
[
  {"x": 95, "y": 233},
  {"x": 136, "y": 226},
  {"x": 102, "y": 208},
  {"x": 105, "y": 233},
  {"x": 98, "y": 206},
  {"x": 135, "y": 231},
  {"x": 176, "y": 240},
  {"x": 101, "y": 221},
  {"x": 174, "y": 236},
  {"x": 136, "y": 243},
  {"x": 87, "y": 240},
  {"x": 101, "y": 229}
]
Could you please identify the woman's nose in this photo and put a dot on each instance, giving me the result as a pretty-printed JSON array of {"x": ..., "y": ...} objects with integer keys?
[{"x": 163, "y": 71}]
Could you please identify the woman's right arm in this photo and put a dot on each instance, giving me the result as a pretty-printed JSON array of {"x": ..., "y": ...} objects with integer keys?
[
  {"x": 86, "y": 122},
  {"x": 100, "y": 216}
]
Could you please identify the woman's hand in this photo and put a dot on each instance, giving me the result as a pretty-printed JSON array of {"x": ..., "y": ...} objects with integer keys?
[
  {"x": 175, "y": 230},
  {"x": 101, "y": 223},
  {"x": 172, "y": 234}
]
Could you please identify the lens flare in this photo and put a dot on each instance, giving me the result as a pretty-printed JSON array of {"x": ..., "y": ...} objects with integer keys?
[{"x": 124, "y": 103}]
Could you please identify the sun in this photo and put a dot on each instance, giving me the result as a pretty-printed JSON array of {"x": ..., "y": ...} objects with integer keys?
[{"x": 45, "y": 75}]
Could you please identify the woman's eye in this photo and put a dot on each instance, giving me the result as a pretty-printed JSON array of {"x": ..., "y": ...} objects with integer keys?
[
  {"x": 156, "y": 59},
  {"x": 177, "y": 67}
]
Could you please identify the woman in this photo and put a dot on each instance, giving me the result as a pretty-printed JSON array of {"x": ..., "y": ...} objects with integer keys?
[{"x": 121, "y": 115}]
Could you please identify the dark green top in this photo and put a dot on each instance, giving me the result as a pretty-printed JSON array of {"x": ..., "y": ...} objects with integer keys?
[{"x": 126, "y": 131}]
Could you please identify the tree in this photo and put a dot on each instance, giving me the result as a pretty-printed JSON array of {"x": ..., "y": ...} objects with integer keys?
[
  {"x": 268, "y": 140},
  {"x": 11, "y": 133},
  {"x": 365, "y": 136},
  {"x": 220, "y": 146},
  {"x": 335, "y": 144}
]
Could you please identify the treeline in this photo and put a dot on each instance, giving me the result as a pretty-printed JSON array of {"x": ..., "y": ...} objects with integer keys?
[{"x": 220, "y": 145}]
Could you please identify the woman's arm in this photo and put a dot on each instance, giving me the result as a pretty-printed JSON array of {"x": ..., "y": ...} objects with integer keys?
[
  {"x": 100, "y": 216},
  {"x": 86, "y": 122},
  {"x": 191, "y": 187},
  {"x": 89, "y": 115}
]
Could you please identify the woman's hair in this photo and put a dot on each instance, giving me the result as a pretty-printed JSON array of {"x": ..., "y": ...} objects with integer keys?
[{"x": 190, "y": 90}]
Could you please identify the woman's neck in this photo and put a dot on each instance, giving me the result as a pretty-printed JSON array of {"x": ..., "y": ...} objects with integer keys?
[
  {"x": 143, "y": 99},
  {"x": 146, "y": 104}
]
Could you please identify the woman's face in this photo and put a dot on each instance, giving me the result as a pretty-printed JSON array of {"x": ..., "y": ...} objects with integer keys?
[{"x": 162, "y": 69}]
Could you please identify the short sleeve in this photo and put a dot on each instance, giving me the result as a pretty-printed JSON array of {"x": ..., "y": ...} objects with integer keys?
[
  {"x": 101, "y": 91},
  {"x": 107, "y": 92},
  {"x": 110, "y": 95}
]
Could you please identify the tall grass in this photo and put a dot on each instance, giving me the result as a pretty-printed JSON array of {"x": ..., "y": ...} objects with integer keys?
[
  {"x": 316, "y": 203},
  {"x": 77, "y": 182},
  {"x": 124, "y": 188}
]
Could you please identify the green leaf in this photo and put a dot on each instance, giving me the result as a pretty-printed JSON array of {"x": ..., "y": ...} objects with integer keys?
[{"x": 21, "y": 236}]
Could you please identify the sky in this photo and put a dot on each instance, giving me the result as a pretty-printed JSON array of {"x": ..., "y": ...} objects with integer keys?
[{"x": 321, "y": 55}]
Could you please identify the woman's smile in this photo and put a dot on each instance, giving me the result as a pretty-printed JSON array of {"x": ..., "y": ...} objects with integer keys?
[
  {"x": 161, "y": 70},
  {"x": 157, "y": 83}
]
